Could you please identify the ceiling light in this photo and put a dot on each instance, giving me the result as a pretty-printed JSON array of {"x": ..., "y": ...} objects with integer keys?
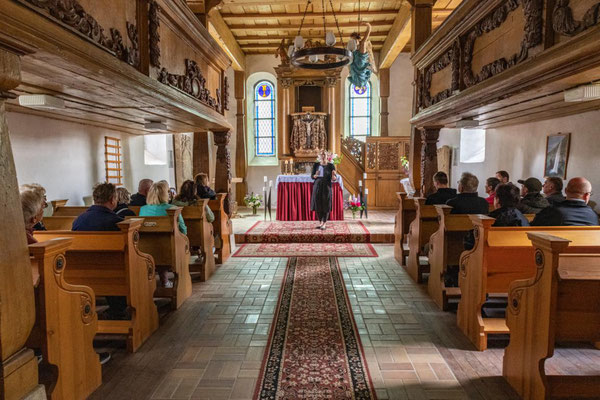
[
  {"x": 583, "y": 93},
  {"x": 155, "y": 126},
  {"x": 41, "y": 101}
]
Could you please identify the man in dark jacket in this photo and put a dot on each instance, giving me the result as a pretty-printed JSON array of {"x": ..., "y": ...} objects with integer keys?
[
  {"x": 552, "y": 189},
  {"x": 574, "y": 211},
  {"x": 506, "y": 213},
  {"x": 443, "y": 192},
  {"x": 468, "y": 201},
  {"x": 532, "y": 202},
  {"x": 139, "y": 199}
]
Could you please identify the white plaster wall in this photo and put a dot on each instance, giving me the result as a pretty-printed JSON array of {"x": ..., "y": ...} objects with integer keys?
[
  {"x": 68, "y": 158},
  {"x": 401, "y": 96},
  {"x": 520, "y": 150}
]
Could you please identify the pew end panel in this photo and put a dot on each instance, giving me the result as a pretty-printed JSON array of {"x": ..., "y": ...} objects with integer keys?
[
  {"x": 561, "y": 302},
  {"x": 66, "y": 324},
  {"x": 201, "y": 237},
  {"x": 403, "y": 219},
  {"x": 58, "y": 203},
  {"x": 64, "y": 223},
  {"x": 421, "y": 229},
  {"x": 223, "y": 228}
]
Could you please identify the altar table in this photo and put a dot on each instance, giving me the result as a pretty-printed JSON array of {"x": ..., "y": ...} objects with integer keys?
[{"x": 293, "y": 198}]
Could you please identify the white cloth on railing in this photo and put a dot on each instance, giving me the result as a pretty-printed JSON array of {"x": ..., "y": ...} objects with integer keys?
[{"x": 304, "y": 178}]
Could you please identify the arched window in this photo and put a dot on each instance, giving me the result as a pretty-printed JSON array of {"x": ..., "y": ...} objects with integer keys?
[
  {"x": 360, "y": 112},
  {"x": 264, "y": 119}
]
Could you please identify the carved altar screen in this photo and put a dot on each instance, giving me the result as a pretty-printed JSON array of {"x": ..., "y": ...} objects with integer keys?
[
  {"x": 264, "y": 118},
  {"x": 360, "y": 112}
]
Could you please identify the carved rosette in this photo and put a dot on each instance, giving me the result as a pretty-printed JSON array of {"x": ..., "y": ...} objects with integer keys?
[
  {"x": 154, "y": 25},
  {"x": 87, "y": 311},
  {"x": 564, "y": 23}
]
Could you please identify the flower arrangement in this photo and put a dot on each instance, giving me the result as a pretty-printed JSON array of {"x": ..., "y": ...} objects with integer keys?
[
  {"x": 331, "y": 158},
  {"x": 354, "y": 204},
  {"x": 404, "y": 163},
  {"x": 253, "y": 200}
]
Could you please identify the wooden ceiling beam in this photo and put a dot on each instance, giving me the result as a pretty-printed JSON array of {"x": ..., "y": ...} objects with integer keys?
[
  {"x": 277, "y": 38},
  {"x": 287, "y": 27},
  {"x": 242, "y": 3},
  {"x": 274, "y": 46},
  {"x": 223, "y": 35},
  {"x": 439, "y": 13},
  {"x": 397, "y": 38}
]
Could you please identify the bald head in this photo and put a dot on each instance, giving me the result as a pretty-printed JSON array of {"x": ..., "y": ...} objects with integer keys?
[
  {"x": 579, "y": 188},
  {"x": 144, "y": 186}
]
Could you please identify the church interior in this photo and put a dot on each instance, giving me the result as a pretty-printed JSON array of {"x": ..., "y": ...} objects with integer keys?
[{"x": 299, "y": 199}]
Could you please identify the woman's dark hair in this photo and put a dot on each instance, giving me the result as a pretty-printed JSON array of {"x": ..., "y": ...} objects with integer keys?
[
  {"x": 492, "y": 182},
  {"x": 503, "y": 174},
  {"x": 507, "y": 195},
  {"x": 187, "y": 193}
]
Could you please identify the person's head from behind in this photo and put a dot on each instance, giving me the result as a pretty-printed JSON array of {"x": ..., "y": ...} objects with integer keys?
[
  {"x": 503, "y": 176},
  {"x": 201, "y": 179},
  {"x": 468, "y": 183},
  {"x": 32, "y": 203},
  {"x": 579, "y": 189},
  {"x": 36, "y": 187},
  {"x": 123, "y": 196},
  {"x": 144, "y": 186},
  {"x": 530, "y": 186},
  {"x": 491, "y": 184},
  {"x": 440, "y": 180},
  {"x": 507, "y": 195},
  {"x": 552, "y": 185},
  {"x": 158, "y": 193},
  {"x": 105, "y": 194},
  {"x": 187, "y": 192}
]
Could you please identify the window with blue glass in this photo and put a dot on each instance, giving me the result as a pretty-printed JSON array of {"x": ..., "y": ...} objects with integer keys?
[
  {"x": 264, "y": 118},
  {"x": 360, "y": 112}
]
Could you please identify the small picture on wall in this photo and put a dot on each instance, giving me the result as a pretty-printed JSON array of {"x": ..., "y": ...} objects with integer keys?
[{"x": 557, "y": 155}]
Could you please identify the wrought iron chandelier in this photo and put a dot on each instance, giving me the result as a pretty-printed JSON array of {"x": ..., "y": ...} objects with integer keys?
[{"x": 320, "y": 57}]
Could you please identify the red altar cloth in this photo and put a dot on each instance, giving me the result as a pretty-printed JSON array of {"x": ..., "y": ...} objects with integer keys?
[{"x": 293, "y": 202}]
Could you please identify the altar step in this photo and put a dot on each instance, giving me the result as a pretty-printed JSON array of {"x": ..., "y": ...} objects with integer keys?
[{"x": 306, "y": 232}]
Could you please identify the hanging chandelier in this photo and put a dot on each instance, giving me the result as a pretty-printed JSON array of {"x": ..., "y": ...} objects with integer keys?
[{"x": 320, "y": 57}]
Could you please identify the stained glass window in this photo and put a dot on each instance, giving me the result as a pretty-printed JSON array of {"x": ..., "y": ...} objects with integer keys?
[
  {"x": 360, "y": 112},
  {"x": 264, "y": 118}
]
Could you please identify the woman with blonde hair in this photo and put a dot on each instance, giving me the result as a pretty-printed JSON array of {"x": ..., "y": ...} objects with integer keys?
[
  {"x": 157, "y": 204},
  {"x": 123, "y": 199}
]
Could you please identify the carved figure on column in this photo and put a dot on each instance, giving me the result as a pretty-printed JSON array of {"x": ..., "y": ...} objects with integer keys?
[
  {"x": 223, "y": 172},
  {"x": 429, "y": 139}
]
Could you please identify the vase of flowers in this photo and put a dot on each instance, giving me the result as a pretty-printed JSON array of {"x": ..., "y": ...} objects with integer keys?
[
  {"x": 332, "y": 158},
  {"x": 254, "y": 201},
  {"x": 354, "y": 204},
  {"x": 405, "y": 164}
]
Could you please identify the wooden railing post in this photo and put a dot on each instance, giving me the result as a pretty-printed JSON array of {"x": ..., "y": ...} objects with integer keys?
[{"x": 223, "y": 170}]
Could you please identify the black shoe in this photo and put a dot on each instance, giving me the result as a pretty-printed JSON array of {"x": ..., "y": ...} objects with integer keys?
[{"x": 104, "y": 358}]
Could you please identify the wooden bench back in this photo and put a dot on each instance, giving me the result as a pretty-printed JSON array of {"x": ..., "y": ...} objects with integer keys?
[
  {"x": 222, "y": 226},
  {"x": 404, "y": 216},
  {"x": 66, "y": 323},
  {"x": 58, "y": 203},
  {"x": 69, "y": 211},
  {"x": 561, "y": 302},
  {"x": 201, "y": 236},
  {"x": 135, "y": 209},
  {"x": 421, "y": 229},
  {"x": 59, "y": 223}
]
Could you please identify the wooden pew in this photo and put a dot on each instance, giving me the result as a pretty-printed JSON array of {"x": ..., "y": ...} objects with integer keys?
[
  {"x": 404, "y": 216},
  {"x": 59, "y": 223},
  {"x": 223, "y": 228},
  {"x": 561, "y": 303},
  {"x": 66, "y": 323},
  {"x": 69, "y": 211},
  {"x": 421, "y": 229},
  {"x": 58, "y": 203},
  {"x": 160, "y": 237},
  {"x": 201, "y": 237},
  {"x": 111, "y": 264},
  {"x": 135, "y": 209},
  {"x": 500, "y": 256}
]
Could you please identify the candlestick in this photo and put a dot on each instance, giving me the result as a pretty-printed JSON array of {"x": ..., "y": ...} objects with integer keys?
[
  {"x": 365, "y": 176},
  {"x": 359, "y": 183},
  {"x": 270, "y": 184},
  {"x": 366, "y": 191},
  {"x": 265, "y": 179},
  {"x": 350, "y": 198}
]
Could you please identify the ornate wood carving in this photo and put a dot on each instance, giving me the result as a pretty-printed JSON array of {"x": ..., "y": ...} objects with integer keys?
[
  {"x": 225, "y": 94},
  {"x": 533, "y": 36},
  {"x": 429, "y": 139},
  {"x": 371, "y": 155},
  {"x": 355, "y": 147},
  {"x": 564, "y": 23},
  {"x": 154, "y": 22},
  {"x": 193, "y": 83},
  {"x": 73, "y": 15},
  {"x": 223, "y": 173},
  {"x": 450, "y": 58},
  {"x": 286, "y": 83},
  {"x": 388, "y": 156}
]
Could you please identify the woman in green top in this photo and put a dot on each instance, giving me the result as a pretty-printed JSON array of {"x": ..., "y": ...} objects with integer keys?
[
  {"x": 187, "y": 197},
  {"x": 157, "y": 204}
]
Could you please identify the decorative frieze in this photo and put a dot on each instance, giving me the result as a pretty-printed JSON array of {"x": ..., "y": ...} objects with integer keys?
[
  {"x": 564, "y": 23},
  {"x": 225, "y": 94},
  {"x": 450, "y": 58}
]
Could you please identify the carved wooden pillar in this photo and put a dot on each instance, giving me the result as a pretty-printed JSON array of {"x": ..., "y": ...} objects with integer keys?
[
  {"x": 421, "y": 22},
  {"x": 18, "y": 365},
  {"x": 429, "y": 138},
  {"x": 285, "y": 106},
  {"x": 241, "y": 155},
  {"x": 202, "y": 154},
  {"x": 223, "y": 170},
  {"x": 333, "y": 109},
  {"x": 384, "y": 94}
]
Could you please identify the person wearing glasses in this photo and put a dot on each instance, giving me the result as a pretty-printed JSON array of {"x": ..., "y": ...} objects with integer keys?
[{"x": 574, "y": 211}]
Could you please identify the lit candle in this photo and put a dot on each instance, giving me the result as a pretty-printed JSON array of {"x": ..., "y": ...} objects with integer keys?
[
  {"x": 287, "y": 162},
  {"x": 270, "y": 184},
  {"x": 266, "y": 179},
  {"x": 366, "y": 191},
  {"x": 365, "y": 176},
  {"x": 359, "y": 183},
  {"x": 350, "y": 198}
]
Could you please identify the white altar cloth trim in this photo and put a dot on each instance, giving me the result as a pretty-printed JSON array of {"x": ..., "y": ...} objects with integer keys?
[{"x": 303, "y": 179}]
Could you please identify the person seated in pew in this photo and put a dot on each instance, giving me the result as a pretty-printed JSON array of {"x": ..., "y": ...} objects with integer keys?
[
  {"x": 123, "y": 198},
  {"x": 490, "y": 189},
  {"x": 552, "y": 189},
  {"x": 506, "y": 201},
  {"x": 503, "y": 176},
  {"x": 139, "y": 199},
  {"x": 172, "y": 194},
  {"x": 157, "y": 206},
  {"x": 204, "y": 191},
  {"x": 101, "y": 217},
  {"x": 532, "y": 202},
  {"x": 32, "y": 204},
  {"x": 574, "y": 211},
  {"x": 42, "y": 191},
  {"x": 187, "y": 197},
  {"x": 443, "y": 192}
]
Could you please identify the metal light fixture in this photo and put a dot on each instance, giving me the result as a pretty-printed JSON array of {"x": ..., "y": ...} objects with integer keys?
[{"x": 320, "y": 57}]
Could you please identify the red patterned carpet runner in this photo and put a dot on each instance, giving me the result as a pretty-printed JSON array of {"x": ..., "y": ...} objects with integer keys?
[
  {"x": 305, "y": 232},
  {"x": 306, "y": 250},
  {"x": 314, "y": 350}
]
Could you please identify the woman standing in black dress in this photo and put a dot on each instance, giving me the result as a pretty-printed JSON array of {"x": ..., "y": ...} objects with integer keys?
[{"x": 323, "y": 172}]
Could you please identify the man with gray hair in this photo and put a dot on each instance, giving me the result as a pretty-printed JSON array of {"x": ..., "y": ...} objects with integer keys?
[
  {"x": 468, "y": 201},
  {"x": 139, "y": 199}
]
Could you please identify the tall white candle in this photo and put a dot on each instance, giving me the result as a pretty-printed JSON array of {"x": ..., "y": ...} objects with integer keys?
[
  {"x": 365, "y": 176},
  {"x": 265, "y": 179},
  {"x": 270, "y": 183},
  {"x": 366, "y": 191},
  {"x": 359, "y": 183}
]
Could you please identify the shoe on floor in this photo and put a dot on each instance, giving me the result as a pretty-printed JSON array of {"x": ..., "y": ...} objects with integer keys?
[
  {"x": 168, "y": 285},
  {"x": 104, "y": 357}
]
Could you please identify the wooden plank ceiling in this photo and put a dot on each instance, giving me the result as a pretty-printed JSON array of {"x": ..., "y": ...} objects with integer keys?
[{"x": 258, "y": 26}]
